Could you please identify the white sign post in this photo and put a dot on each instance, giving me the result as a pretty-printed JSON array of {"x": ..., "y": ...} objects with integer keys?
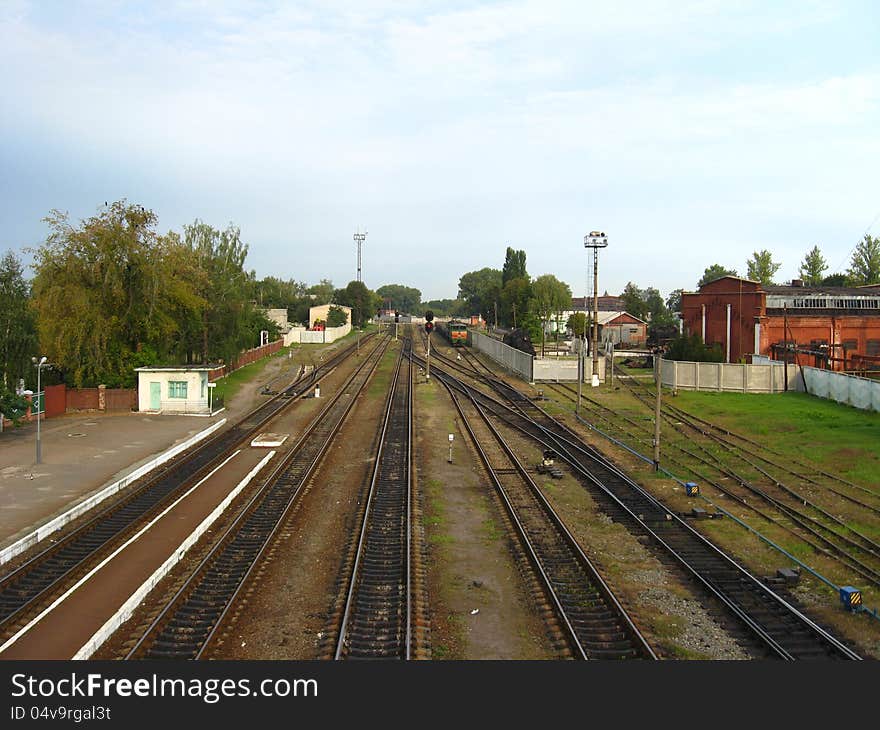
[{"x": 451, "y": 439}]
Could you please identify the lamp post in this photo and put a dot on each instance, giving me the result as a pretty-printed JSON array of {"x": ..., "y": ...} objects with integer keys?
[
  {"x": 595, "y": 240},
  {"x": 360, "y": 238},
  {"x": 39, "y": 365}
]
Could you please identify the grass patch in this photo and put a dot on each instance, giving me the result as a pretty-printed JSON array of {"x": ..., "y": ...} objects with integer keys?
[
  {"x": 229, "y": 385},
  {"x": 490, "y": 530}
]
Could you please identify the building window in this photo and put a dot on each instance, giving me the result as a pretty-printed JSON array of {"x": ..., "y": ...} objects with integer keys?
[
  {"x": 850, "y": 345},
  {"x": 872, "y": 348},
  {"x": 177, "y": 389}
]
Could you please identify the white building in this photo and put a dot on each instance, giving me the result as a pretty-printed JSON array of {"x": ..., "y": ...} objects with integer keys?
[{"x": 183, "y": 389}]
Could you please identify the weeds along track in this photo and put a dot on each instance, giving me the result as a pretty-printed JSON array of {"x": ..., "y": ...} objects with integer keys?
[
  {"x": 192, "y": 619},
  {"x": 783, "y": 630},
  {"x": 380, "y": 618},
  {"x": 35, "y": 582}
]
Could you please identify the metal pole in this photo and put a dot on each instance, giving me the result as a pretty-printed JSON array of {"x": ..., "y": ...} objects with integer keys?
[
  {"x": 580, "y": 373},
  {"x": 785, "y": 343},
  {"x": 595, "y": 313},
  {"x": 39, "y": 455},
  {"x": 657, "y": 413},
  {"x": 428, "y": 359}
]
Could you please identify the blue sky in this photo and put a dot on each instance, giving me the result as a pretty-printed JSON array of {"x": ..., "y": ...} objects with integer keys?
[{"x": 692, "y": 133}]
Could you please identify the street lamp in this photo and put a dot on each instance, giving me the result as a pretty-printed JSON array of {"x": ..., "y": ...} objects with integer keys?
[
  {"x": 39, "y": 364},
  {"x": 360, "y": 238},
  {"x": 595, "y": 240}
]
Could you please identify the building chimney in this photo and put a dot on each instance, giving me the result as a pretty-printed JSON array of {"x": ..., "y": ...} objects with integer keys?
[{"x": 797, "y": 282}]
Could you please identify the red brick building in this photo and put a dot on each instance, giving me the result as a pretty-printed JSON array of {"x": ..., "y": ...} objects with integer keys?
[{"x": 745, "y": 317}]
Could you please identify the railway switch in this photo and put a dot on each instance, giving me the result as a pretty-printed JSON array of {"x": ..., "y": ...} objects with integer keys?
[
  {"x": 691, "y": 489},
  {"x": 851, "y": 598}
]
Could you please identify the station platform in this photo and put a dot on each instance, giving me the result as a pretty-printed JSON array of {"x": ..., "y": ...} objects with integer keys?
[{"x": 80, "y": 455}]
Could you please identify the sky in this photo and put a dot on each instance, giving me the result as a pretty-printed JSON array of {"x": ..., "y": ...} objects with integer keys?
[{"x": 690, "y": 132}]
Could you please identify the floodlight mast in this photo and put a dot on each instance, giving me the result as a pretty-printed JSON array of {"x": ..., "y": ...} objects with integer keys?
[{"x": 595, "y": 240}]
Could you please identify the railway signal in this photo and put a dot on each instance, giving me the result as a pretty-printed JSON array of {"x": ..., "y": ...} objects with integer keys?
[{"x": 429, "y": 327}]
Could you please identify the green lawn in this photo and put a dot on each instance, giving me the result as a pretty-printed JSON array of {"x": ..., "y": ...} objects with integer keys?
[{"x": 836, "y": 437}]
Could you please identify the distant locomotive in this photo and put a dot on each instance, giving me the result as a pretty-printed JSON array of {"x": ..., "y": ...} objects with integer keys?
[
  {"x": 520, "y": 339},
  {"x": 455, "y": 332}
]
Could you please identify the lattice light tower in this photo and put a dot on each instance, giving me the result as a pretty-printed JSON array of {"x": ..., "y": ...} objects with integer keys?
[
  {"x": 359, "y": 237},
  {"x": 595, "y": 240}
]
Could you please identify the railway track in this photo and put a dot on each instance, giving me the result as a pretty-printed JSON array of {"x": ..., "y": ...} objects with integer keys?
[
  {"x": 711, "y": 455},
  {"x": 592, "y": 619},
  {"x": 190, "y": 621},
  {"x": 781, "y": 628},
  {"x": 378, "y": 616},
  {"x": 40, "y": 578}
]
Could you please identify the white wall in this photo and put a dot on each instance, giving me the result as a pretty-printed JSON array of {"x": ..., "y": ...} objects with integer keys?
[{"x": 196, "y": 391}]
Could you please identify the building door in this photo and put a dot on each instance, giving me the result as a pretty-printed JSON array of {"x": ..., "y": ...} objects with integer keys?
[{"x": 155, "y": 396}]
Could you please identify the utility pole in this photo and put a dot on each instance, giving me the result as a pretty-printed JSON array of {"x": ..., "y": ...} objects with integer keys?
[
  {"x": 360, "y": 238},
  {"x": 595, "y": 240},
  {"x": 657, "y": 381},
  {"x": 580, "y": 373}
]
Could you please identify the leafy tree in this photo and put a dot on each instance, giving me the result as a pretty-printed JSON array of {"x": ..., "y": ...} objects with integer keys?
[
  {"x": 336, "y": 317},
  {"x": 403, "y": 298},
  {"x": 445, "y": 307},
  {"x": 673, "y": 301},
  {"x": 514, "y": 266},
  {"x": 836, "y": 280},
  {"x": 715, "y": 271},
  {"x": 812, "y": 267},
  {"x": 274, "y": 293},
  {"x": 481, "y": 290},
  {"x": 865, "y": 263},
  {"x": 18, "y": 336},
  {"x": 549, "y": 297},
  {"x": 105, "y": 290},
  {"x": 691, "y": 348},
  {"x": 514, "y": 302},
  {"x": 362, "y": 301},
  {"x": 226, "y": 318},
  {"x": 323, "y": 292},
  {"x": 761, "y": 267},
  {"x": 577, "y": 324},
  {"x": 12, "y": 406},
  {"x": 635, "y": 301}
]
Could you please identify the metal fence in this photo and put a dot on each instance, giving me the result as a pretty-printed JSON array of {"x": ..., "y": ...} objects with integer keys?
[{"x": 516, "y": 361}]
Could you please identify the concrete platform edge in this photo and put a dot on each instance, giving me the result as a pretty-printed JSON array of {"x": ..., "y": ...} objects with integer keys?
[
  {"x": 127, "y": 609},
  {"x": 19, "y": 546}
]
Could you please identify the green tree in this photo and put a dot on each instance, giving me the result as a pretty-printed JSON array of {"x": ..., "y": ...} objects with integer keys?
[
  {"x": 836, "y": 280},
  {"x": 18, "y": 336},
  {"x": 12, "y": 406},
  {"x": 513, "y": 305},
  {"x": 336, "y": 317},
  {"x": 715, "y": 271},
  {"x": 865, "y": 263},
  {"x": 691, "y": 348},
  {"x": 323, "y": 292},
  {"x": 227, "y": 317},
  {"x": 761, "y": 267},
  {"x": 402, "y": 298},
  {"x": 577, "y": 324},
  {"x": 549, "y": 297},
  {"x": 514, "y": 266},
  {"x": 362, "y": 301},
  {"x": 673, "y": 301},
  {"x": 634, "y": 301},
  {"x": 110, "y": 291},
  {"x": 481, "y": 290},
  {"x": 812, "y": 267},
  {"x": 445, "y": 307}
]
